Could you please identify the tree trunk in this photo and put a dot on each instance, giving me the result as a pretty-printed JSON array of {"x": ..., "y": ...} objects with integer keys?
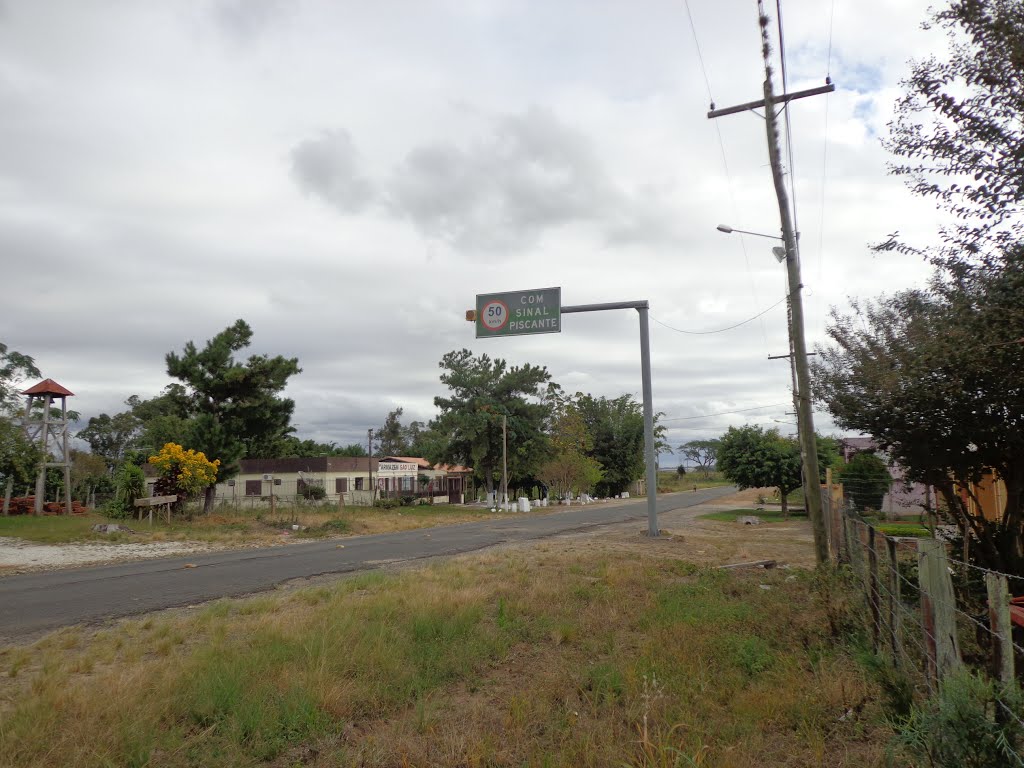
[
  {"x": 7, "y": 496},
  {"x": 785, "y": 503},
  {"x": 208, "y": 498}
]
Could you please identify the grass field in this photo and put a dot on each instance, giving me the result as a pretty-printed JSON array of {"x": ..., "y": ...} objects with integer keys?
[
  {"x": 669, "y": 481},
  {"x": 903, "y": 529},
  {"x": 549, "y": 657},
  {"x": 227, "y": 526},
  {"x": 767, "y": 516}
]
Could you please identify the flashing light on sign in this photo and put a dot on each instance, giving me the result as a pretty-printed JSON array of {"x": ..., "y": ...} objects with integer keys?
[{"x": 470, "y": 315}]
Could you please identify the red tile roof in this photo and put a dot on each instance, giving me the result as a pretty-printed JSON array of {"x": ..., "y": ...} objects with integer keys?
[
  {"x": 48, "y": 387},
  {"x": 453, "y": 468}
]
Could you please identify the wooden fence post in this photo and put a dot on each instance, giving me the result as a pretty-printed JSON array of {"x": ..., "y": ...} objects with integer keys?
[
  {"x": 873, "y": 597},
  {"x": 938, "y": 609},
  {"x": 854, "y": 547},
  {"x": 893, "y": 601},
  {"x": 999, "y": 618}
]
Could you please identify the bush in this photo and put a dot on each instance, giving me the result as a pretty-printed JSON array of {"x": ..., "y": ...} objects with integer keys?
[
  {"x": 387, "y": 503},
  {"x": 129, "y": 485},
  {"x": 408, "y": 501},
  {"x": 116, "y": 510},
  {"x": 313, "y": 492},
  {"x": 964, "y": 726}
]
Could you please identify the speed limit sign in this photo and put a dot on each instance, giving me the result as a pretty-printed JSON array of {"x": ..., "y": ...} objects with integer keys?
[
  {"x": 494, "y": 315},
  {"x": 516, "y": 313}
]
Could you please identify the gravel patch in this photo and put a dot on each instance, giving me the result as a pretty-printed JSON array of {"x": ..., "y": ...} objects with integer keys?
[{"x": 17, "y": 556}]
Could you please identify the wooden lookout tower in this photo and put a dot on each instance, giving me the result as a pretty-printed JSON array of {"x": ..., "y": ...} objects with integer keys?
[{"x": 50, "y": 432}]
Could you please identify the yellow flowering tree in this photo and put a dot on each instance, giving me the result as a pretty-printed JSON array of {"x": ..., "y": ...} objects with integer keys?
[{"x": 183, "y": 473}]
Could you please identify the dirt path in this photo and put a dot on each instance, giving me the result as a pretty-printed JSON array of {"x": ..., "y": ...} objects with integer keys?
[{"x": 708, "y": 542}]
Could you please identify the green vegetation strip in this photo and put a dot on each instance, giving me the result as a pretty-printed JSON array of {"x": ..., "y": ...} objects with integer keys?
[
  {"x": 772, "y": 516},
  {"x": 903, "y": 529},
  {"x": 49, "y": 529},
  {"x": 575, "y": 659}
]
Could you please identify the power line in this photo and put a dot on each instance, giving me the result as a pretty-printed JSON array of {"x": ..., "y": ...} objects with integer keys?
[
  {"x": 726, "y": 413},
  {"x": 789, "y": 124},
  {"x": 824, "y": 151},
  {"x": 725, "y": 164},
  {"x": 700, "y": 56},
  {"x": 720, "y": 330}
]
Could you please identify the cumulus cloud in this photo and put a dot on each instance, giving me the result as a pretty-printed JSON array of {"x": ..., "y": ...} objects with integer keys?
[
  {"x": 531, "y": 173},
  {"x": 328, "y": 167},
  {"x": 247, "y": 19}
]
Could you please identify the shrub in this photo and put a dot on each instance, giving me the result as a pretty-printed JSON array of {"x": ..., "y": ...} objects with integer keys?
[
  {"x": 313, "y": 492},
  {"x": 184, "y": 473},
  {"x": 129, "y": 485},
  {"x": 116, "y": 510},
  {"x": 387, "y": 503},
  {"x": 964, "y": 726}
]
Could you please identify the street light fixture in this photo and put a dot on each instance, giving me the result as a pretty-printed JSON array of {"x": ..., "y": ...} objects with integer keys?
[
  {"x": 788, "y": 253},
  {"x": 729, "y": 230}
]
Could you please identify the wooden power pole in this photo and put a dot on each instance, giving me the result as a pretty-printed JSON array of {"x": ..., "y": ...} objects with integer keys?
[{"x": 805, "y": 416}]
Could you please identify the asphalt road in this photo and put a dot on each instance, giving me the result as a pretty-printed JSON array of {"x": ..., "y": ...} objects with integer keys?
[{"x": 37, "y": 602}]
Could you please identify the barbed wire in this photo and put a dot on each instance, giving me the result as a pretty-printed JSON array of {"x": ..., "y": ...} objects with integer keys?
[
  {"x": 890, "y": 612},
  {"x": 956, "y": 609}
]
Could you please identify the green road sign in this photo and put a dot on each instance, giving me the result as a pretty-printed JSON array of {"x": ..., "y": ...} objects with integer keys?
[{"x": 519, "y": 313}]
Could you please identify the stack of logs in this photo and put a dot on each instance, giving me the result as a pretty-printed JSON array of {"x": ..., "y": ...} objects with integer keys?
[{"x": 26, "y": 505}]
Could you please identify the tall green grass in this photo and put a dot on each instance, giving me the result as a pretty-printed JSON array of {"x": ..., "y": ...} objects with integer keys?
[{"x": 592, "y": 659}]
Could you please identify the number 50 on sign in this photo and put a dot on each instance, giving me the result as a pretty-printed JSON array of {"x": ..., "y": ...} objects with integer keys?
[{"x": 494, "y": 315}]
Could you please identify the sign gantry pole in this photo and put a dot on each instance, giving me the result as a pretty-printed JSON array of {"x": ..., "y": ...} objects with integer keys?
[{"x": 522, "y": 313}]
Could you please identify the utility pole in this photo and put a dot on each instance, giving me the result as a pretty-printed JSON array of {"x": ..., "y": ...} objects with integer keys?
[
  {"x": 805, "y": 418},
  {"x": 504, "y": 460}
]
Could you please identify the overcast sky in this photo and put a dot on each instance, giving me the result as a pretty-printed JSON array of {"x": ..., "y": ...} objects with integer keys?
[{"x": 347, "y": 176}]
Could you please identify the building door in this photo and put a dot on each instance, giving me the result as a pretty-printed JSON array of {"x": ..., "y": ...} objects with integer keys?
[{"x": 455, "y": 490}]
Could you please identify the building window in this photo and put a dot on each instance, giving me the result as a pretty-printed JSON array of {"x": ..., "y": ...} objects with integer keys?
[
  {"x": 341, "y": 485},
  {"x": 406, "y": 483},
  {"x": 359, "y": 483},
  {"x": 253, "y": 487}
]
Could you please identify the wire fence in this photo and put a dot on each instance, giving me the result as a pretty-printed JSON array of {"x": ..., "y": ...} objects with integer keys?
[{"x": 930, "y": 614}]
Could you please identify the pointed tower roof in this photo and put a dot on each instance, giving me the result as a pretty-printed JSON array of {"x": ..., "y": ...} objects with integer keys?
[{"x": 48, "y": 387}]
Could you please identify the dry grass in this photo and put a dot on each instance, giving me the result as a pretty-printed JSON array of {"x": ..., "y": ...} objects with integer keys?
[{"x": 568, "y": 653}]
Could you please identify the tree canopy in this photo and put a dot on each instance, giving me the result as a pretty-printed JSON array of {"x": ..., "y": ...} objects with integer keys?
[
  {"x": 397, "y": 439},
  {"x": 235, "y": 408},
  {"x": 294, "y": 448},
  {"x": 753, "y": 457},
  {"x": 15, "y": 369},
  {"x": 958, "y": 132},
  {"x": 616, "y": 427},
  {"x": 112, "y": 437},
  {"x": 927, "y": 373},
  {"x": 703, "y": 453},
  {"x": 19, "y": 458},
  {"x": 570, "y": 469},
  {"x": 932, "y": 374},
  {"x": 482, "y": 390},
  {"x": 866, "y": 480}
]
